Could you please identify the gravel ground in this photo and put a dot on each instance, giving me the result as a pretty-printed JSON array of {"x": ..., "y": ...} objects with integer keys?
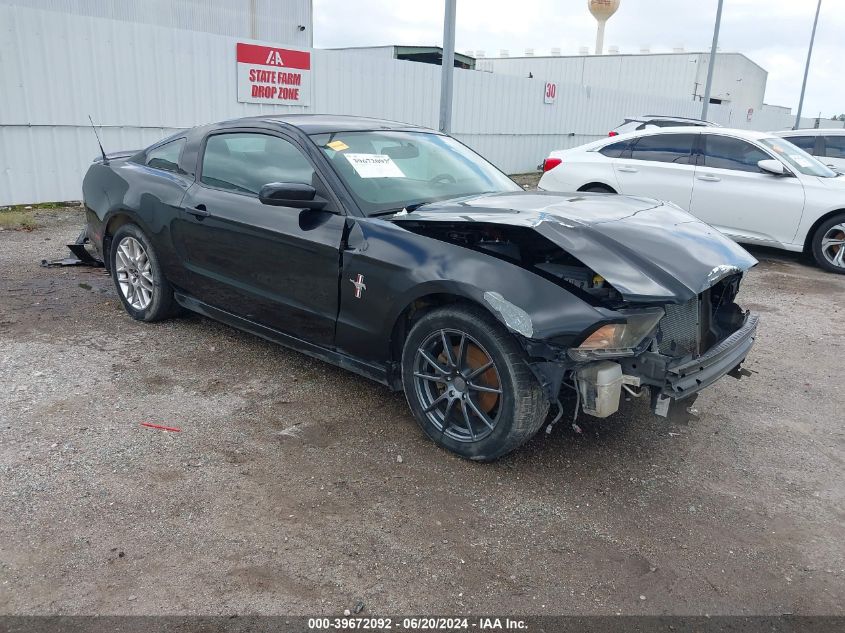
[{"x": 284, "y": 492}]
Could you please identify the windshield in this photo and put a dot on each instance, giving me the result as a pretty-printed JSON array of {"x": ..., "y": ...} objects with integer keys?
[
  {"x": 389, "y": 170},
  {"x": 797, "y": 158}
]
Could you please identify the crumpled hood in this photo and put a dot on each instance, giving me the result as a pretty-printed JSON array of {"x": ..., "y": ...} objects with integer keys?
[{"x": 648, "y": 250}]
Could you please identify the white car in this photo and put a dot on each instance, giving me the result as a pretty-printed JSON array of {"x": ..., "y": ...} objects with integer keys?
[
  {"x": 752, "y": 186},
  {"x": 826, "y": 145}
]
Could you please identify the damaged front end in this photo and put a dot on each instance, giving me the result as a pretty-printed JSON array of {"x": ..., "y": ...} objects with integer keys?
[
  {"x": 687, "y": 348},
  {"x": 663, "y": 286}
]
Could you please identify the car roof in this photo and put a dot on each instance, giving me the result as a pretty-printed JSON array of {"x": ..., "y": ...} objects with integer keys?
[
  {"x": 830, "y": 131},
  {"x": 751, "y": 135},
  {"x": 328, "y": 123}
]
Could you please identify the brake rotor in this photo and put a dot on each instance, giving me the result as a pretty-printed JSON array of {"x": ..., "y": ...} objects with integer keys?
[
  {"x": 475, "y": 358},
  {"x": 835, "y": 248}
]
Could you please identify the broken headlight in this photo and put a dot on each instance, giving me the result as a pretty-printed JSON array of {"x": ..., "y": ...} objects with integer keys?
[{"x": 618, "y": 339}]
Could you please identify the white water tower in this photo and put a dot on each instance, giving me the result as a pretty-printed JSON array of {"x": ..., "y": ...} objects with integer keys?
[{"x": 602, "y": 10}]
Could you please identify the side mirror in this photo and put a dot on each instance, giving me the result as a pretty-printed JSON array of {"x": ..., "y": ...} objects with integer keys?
[
  {"x": 774, "y": 167},
  {"x": 291, "y": 194}
]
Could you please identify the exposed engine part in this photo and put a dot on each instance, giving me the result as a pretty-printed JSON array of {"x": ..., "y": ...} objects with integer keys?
[
  {"x": 526, "y": 248},
  {"x": 600, "y": 387},
  {"x": 635, "y": 394},
  {"x": 557, "y": 417},
  {"x": 693, "y": 327},
  {"x": 508, "y": 249}
]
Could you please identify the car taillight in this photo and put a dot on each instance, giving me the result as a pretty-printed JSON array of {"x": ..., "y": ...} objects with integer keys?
[
  {"x": 551, "y": 163},
  {"x": 612, "y": 133}
]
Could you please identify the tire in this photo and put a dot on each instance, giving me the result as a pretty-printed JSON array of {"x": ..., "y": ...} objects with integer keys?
[
  {"x": 828, "y": 251},
  {"x": 144, "y": 292},
  {"x": 457, "y": 422},
  {"x": 597, "y": 189}
]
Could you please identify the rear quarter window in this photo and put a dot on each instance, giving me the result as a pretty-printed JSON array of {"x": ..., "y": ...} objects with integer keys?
[
  {"x": 166, "y": 157},
  {"x": 615, "y": 150}
]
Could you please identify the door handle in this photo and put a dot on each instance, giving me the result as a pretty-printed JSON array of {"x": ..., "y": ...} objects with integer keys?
[
  {"x": 709, "y": 178},
  {"x": 630, "y": 170},
  {"x": 198, "y": 211}
]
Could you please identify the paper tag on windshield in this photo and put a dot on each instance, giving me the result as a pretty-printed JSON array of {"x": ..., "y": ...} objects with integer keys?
[
  {"x": 337, "y": 146},
  {"x": 374, "y": 166}
]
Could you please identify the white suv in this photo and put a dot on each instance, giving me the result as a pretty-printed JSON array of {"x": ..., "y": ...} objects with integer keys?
[
  {"x": 752, "y": 186},
  {"x": 826, "y": 145}
]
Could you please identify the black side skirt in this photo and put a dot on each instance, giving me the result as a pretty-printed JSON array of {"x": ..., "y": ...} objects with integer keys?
[{"x": 355, "y": 365}]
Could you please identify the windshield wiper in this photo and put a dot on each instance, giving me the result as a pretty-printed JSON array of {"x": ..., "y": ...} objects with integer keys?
[
  {"x": 407, "y": 209},
  {"x": 416, "y": 205}
]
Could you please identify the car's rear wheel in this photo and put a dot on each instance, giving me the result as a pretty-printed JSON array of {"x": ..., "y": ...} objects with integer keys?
[
  {"x": 468, "y": 385},
  {"x": 143, "y": 290},
  {"x": 829, "y": 244}
]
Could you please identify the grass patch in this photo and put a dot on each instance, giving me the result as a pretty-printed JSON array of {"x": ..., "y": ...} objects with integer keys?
[
  {"x": 18, "y": 220},
  {"x": 22, "y": 217},
  {"x": 42, "y": 206}
]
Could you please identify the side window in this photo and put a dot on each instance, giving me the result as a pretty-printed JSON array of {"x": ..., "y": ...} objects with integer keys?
[
  {"x": 166, "y": 157},
  {"x": 725, "y": 152},
  {"x": 245, "y": 162},
  {"x": 664, "y": 148},
  {"x": 807, "y": 143},
  {"x": 615, "y": 150},
  {"x": 834, "y": 146}
]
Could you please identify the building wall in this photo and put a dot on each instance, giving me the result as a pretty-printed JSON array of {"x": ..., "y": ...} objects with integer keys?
[
  {"x": 674, "y": 75},
  {"x": 272, "y": 20},
  {"x": 368, "y": 52},
  {"x": 141, "y": 82}
]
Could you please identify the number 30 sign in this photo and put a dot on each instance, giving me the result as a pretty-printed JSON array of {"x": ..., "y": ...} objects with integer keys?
[{"x": 551, "y": 93}]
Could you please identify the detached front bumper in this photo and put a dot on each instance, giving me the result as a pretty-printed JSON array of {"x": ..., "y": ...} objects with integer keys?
[{"x": 689, "y": 377}]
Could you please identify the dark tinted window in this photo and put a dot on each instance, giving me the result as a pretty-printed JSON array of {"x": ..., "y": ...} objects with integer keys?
[
  {"x": 614, "y": 150},
  {"x": 807, "y": 143},
  {"x": 664, "y": 148},
  {"x": 166, "y": 156},
  {"x": 246, "y": 162},
  {"x": 725, "y": 152},
  {"x": 834, "y": 146}
]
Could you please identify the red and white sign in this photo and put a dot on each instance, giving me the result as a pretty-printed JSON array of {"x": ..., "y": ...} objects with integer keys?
[
  {"x": 273, "y": 75},
  {"x": 551, "y": 93}
]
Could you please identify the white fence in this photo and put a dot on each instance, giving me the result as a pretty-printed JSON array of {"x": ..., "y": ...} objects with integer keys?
[{"x": 142, "y": 81}]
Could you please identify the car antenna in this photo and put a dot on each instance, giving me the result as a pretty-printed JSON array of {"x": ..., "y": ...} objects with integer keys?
[{"x": 102, "y": 151}]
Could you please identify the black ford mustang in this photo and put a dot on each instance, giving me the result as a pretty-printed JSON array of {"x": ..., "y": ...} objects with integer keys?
[{"x": 398, "y": 253}]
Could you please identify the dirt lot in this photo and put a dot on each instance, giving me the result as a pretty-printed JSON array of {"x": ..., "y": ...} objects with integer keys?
[{"x": 284, "y": 492}]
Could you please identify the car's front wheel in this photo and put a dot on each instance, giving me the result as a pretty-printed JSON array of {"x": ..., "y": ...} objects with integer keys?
[
  {"x": 143, "y": 290},
  {"x": 829, "y": 244},
  {"x": 468, "y": 385}
]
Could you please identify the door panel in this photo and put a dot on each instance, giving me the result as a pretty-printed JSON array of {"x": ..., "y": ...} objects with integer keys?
[
  {"x": 277, "y": 266},
  {"x": 658, "y": 166},
  {"x": 731, "y": 193}
]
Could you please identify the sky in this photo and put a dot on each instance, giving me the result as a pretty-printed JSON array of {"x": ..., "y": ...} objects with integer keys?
[{"x": 773, "y": 33}]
